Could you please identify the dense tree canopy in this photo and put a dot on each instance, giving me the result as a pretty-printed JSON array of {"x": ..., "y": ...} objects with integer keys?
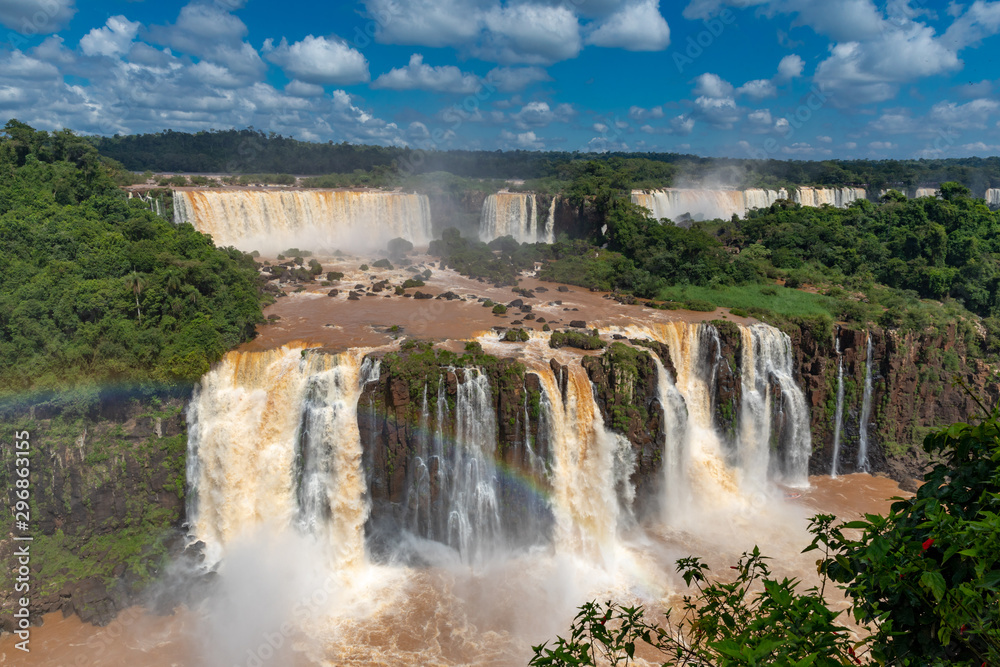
[
  {"x": 94, "y": 286},
  {"x": 947, "y": 247}
]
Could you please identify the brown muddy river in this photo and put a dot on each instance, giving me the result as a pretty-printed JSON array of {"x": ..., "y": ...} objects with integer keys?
[
  {"x": 338, "y": 323},
  {"x": 453, "y": 615}
]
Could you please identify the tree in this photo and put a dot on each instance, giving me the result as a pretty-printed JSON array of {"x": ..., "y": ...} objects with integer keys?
[
  {"x": 136, "y": 283},
  {"x": 951, "y": 190}
]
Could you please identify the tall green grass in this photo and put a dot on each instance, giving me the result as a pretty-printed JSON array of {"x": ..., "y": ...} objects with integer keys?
[{"x": 784, "y": 301}]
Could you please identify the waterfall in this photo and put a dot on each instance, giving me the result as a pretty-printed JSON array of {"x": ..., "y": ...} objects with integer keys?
[
  {"x": 274, "y": 439},
  {"x": 672, "y": 203},
  {"x": 767, "y": 376},
  {"x": 699, "y": 204},
  {"x": 453, "y": 493},
  {"x": 426, "y": 505},
  {"x": 550, "y": 222},
  {"x": 838, "y": 416},
  {"x": 696, "y": 469},
  {"x": 510, "y": 214},
  {"x": 474, "y": 513},
  {"x": 591, "y": 468},
  {"x": 676, "y": 490},
  {"x": 866, "y": 410},
  {"x": 839, "y": 197},
  {"x": 309, "y": 219}
]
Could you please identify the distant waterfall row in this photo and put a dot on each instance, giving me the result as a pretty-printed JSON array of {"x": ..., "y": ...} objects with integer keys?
[
  {"x": 678, "y": 203},
  {"x": 517, "y": 215},
  {"x": 311, "y": 219},
  {"x": 280, "y": 438}
]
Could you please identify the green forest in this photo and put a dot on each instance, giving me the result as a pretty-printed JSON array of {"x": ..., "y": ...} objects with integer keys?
[
  {"x": 95, "y": 289},
  {"x": 254, "y": 151}
]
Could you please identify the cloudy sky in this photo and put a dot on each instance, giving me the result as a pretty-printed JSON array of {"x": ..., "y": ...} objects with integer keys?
[{"x": 805, "y": 79}]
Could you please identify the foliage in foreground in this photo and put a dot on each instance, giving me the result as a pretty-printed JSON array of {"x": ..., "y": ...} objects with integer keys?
[
  {"x": 924, "y": 579},
  {"x": 926, "y": 576}
]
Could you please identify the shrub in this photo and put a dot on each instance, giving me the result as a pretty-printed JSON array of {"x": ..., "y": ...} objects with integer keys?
[
  {"x": 334, "y": 275},
  {"x": 581, "y": 341},
  {"x": 383, "y": 264},
  {"x": 699, "y": 305},
  {"x": 398, "y": 247},
  {"x": 410, "y": 282},
  {"x": 499, "y": 309},
  {"x": 516, "y": 336}
]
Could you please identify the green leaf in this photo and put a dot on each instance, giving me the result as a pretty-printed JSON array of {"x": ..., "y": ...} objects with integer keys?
[{"x": 935, "y": 582}]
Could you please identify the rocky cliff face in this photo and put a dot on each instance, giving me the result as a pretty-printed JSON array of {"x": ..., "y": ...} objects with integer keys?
[
  {"x": 409, "y": 421},
  {"x": 107, "y": 501},
  {"x": 579, "y": 221},
  {"x": 913, "y": 392},
  {"x": 461, "y": 211},
  {"x": 625, "y": 387}
]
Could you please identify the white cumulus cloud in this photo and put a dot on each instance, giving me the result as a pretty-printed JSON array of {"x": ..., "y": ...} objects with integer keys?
[
  {"x": 113, "y": 39},
  {"x": 319, "y": 60},
  {"x": 419, "y": 76},
  {"x": 637, "y": 26}
]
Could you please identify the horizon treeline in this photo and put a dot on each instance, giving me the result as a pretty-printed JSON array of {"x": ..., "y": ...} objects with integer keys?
[{"x": 254, "y": 151}]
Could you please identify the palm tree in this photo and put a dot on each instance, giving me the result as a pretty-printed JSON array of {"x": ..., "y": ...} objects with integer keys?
[
  {"x": 174, "y": 282},
  {"x": 136, "y": 283}
]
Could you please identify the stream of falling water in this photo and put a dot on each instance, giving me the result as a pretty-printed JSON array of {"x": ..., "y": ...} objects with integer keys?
[
  {"x": 550, "y": 222},
  {"x": 866, "y": 410},
  {"x": 591, "y": 468},
  {"x": 768, "y": 364},
  {"x": 513, "y": 214},
  {"x": 838, "y": 417},
  {"x": 696, "y": 470},
  {"x": 279, "y": 219},
  {"x": 277, "y": 442},
  {"x": 676, "y": 489}
]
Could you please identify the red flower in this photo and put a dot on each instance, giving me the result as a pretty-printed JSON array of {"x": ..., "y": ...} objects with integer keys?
[
  {"x": 927, "y": 543},
  {"x": 733, "y": 567}
]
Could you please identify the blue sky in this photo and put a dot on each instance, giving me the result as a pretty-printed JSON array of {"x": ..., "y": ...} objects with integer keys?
[{"x": 789, "y": 79}]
